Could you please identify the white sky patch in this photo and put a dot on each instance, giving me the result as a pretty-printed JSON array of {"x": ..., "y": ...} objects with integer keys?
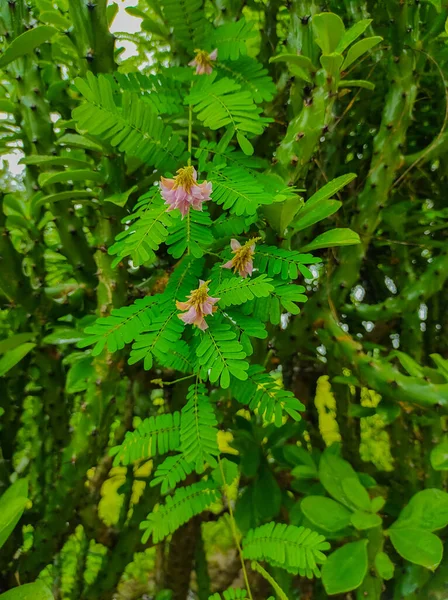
[
  {"x": 124, "y": 22},
  {"x": 12, "y": 158}
]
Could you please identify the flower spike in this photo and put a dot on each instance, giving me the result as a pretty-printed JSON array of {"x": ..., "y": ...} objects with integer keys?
[
  {"x": 203, "y": 61},
  {"x": 198, "y": 306},
  {"x": 242, "y": 262},
  {"x": 183, "y": 192}
]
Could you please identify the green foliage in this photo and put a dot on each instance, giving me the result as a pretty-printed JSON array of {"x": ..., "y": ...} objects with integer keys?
[
  {"x": 178, "y": 509},
  {"x": 198, "y": 432},
  {"x": 263, "y": 394},
  {"x": 132, "y": 127},
  {"x": 295, "y": 549},
  {"x": 140, "y": 377},
  {"x": 155, "y": 435}
]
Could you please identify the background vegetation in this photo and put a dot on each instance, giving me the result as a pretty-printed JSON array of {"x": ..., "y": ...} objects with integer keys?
[{"x": 285, "y": 452}]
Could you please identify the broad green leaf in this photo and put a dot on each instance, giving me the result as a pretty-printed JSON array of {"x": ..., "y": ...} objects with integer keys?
[
  {"x": 325, "y": 513},
  {"x": 63, "y": 335},
  {"x": 71, "y": 175},
  {"x": 408, "y": 363},
  {"x": 26, "y": 43},
  {"x": 361, "y": 83},
  {"x": 29, "y": 591},
  {"x": 317, "y": 212},
  {"x": 439, "y": 456},
  {"x": 442, "y": 364},
  {"x": 345, "y": 569},
  {"x": 6, "y": 106},
  {"x": 57, "y": 161},
  {"x": 329, "y": 29},
  {"x": 54, "y": 17},
  {"x": 356, "y": 493},
  {"x": 12, "y": 357},
  {"x": 384, "y": 566},
  {"x": 120, "y": 198},
  {"x": 299, "y": 65},
  {"x": 418, "y": 546},
  {"x": 359, "y": 48},
  {"x": 331, "y": 63},
  {"x": 15, "y": 340},
  {"x": 280, "y": 214},
  {"x": 427, "y": 509},
  {"x": 363, "y": 520},
  {"x": 332, "y": 238},
  {"x": 330, "y": 189},
  {"x": 266, "y": 486},
  {"x": 12, "y": 505},
  {"x": 352, "y": 34},
  {"x": 79, "y": 141},
  {"x": 244, "y": 144},
  {"x": 377, "y": 503}
]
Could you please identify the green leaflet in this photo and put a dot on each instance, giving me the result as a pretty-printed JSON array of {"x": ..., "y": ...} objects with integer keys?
[
  {"x": 121, "y": 327},
  {"x": 345, "y": 568},
  {"x": 237, "y": 290},
  {"x": 173, "y": 470},
  {"x": 198, "y": 432},
  {"x": 191, "y": 234},
  {"x": 262, "y": 393},
  {"x": 29, "y": 591},
  {"x": 221, "y": 103},
  {"x": 26, "y": 43},
  {"x": 132, "y": 127},
  {"x": 220, "y": 355},
  {"x": 155, "y": 435},
  {"x": 295, "y": 549},
  {"x": 160, "y": 335},
  {"x": 178, "y": 509}
]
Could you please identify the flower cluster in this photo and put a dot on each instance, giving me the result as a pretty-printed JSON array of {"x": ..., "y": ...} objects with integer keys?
[
  {"x": 198, "y": 306},
  {"x": 183, "y": 192},
  {"x": 242, "y": 262},
  {"x": 203, "y": 61}
]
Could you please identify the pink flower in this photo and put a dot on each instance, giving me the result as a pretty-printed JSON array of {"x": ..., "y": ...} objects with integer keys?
[
  {"x": 198, "y": 305},
  {"x": 242, "y": 262},
  {"x": 183, "y": 192},
  {"x": 203, "y": 61}
]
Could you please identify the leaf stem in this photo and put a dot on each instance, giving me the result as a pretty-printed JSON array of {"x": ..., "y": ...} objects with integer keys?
[
  {"x": 190, "y": 129},
  {"x": 234, "y": 530}
]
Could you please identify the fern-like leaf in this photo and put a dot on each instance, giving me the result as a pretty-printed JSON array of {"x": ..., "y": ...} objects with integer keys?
[
  {"x": 230, "y": 39},
  {"x": 155, "y": 435},
  {"x": 142, "y": 238},
  {"x": 284, "y": 296},
  {"x": 237, "y": 290},
  {"x": 221, "y": 355},
  {"x": 132, "y": 127},
  {"x": 160, "y": 336},
  {"x": 298, "y": 550},
  {"x": 179, "y": 358},
  {"x": 184, "y": 278},
  {"x": 238, "y": 190},
  {"x": 163, "y": 94},
  {"x": 251, "y": 76},
  {"x": 286, "y": 263},
  {"x": 191, "y": 234},
  {"x": 187, "y": 20},
  {"x": 248, "y": 327},
  {"x": 121, "y": 327},
  {"x": 222, "y": 104},
  {"x": 198, "y": 432},
  {"x": 262, "y": 393},
  {"x": 181, "y": 507},
  {"x": 173, "y": 470}
]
